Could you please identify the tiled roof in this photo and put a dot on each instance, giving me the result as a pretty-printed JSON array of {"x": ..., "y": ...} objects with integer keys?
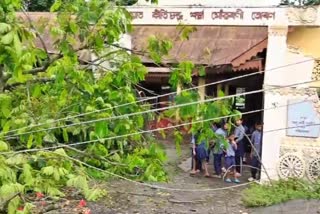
[{"x": 209, "y": 45}]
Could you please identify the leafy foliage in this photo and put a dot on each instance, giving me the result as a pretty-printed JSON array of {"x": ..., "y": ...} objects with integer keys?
[
  {"x": 280, "y": 191},
  {"x": 45, "y": 5},
  {"x": 39, "y": 88}
]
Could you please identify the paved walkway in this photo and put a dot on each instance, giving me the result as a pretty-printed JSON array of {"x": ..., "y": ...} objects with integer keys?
[{"x": 291, "y": 207}]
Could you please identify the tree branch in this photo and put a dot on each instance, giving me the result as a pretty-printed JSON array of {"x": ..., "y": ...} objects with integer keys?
[
  {"x": 49, "y": 62},
  {"x": 14, "y": 85},
  {"x": 5, "y": 204},
  {"x": 91, "y": 155},
  {"x": 37, "y": 33}
]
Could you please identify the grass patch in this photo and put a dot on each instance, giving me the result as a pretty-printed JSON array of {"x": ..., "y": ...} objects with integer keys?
[{"x": 280, "y": 191}]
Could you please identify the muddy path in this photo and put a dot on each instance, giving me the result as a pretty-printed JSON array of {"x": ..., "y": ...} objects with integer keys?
[{"x": 126, "y": 197}]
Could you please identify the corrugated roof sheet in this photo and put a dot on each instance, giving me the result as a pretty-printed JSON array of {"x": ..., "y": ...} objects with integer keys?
[
  {"x": 209, "y": 45},
  {"x": 44, "y": 20}
]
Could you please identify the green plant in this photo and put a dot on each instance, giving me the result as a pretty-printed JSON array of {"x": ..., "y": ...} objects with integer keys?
[
  {"x": 280, "y": 191},
  {"x": 37, "y": 87}
]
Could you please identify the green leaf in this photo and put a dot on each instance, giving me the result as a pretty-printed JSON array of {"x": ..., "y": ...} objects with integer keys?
[
  {"x": 49, "y": 138},
  {"x": 88, "y": 88},
  {"x": 65, "y": 135},
  {"x": 79, "y": 182},
  {"x": 26, "y": 175},
  {"x": 16, "y": 160},
  {"x": 13, "y": 205},
  {"x": 17, "y": 45},
  {"x": 101, "y": 129},
  {"x": 36, "y": 91},
  {"x": 94, "y": 194},
  {"x": 202, "y": 71},
  {"x": 49, "y": 170},
  {"x": 30, "y": 141},
  {"x": 185, "y": 31},
  {"x": 55, "y": 7},
  {"x": 3, "y": 146},
  {"x": 53, "y": 191},
  {"x": 61, "y": 152},
  {"x": 8, "y": 38},
  {"x": 4, "y": 28}
]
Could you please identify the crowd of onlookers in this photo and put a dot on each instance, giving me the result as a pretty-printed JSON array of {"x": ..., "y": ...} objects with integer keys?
[{"x": 229, "y": 151}]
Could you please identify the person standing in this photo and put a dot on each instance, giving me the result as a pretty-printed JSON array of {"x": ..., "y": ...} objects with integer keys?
[
  {"x": 199, "y": 156},
  {"x": 256, "y": 150},
  {"x": 195, "y": 163},
  {"x": 230, "y": 160},
  {"x": 222, "y": 132},
  {"x": 239, "y": 133}
]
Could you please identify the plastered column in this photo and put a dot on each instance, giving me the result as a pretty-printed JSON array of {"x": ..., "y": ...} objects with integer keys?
[
  {"x": 275, "y": 118},
  {"x": 202, "y": 88}
]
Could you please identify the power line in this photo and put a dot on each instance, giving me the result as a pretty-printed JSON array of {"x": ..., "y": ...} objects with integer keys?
[
  {"x": 155, "y": 110},
  {"x": 159, "y": 129},
  {"x": 151, "y": 98},
  {"x": 156, "y": 186}
]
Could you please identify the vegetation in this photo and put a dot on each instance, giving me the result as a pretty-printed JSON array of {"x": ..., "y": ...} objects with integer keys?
[
  {"x": 45, "y": 5},
  {"x": 42, "y": 82},
  {"x": 280, "y": 191}
]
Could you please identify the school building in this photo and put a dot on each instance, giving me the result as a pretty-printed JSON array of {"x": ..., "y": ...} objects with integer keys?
[{"x": 239, "y": 37}]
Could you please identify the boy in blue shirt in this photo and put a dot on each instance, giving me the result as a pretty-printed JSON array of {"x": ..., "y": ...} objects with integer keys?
[
  {"x": 256, "y": 140},
  {"x": 218, "y": 150},
  {"x": 230, "y": 161}
]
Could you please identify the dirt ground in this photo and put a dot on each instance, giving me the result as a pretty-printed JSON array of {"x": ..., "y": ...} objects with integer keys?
[
  {"x": 129, "y": 198},
  {"x": 125, "y": 197}
]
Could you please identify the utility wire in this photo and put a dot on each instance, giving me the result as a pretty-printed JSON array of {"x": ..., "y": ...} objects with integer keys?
[
  {"x": 159, "y": 129},
  {"x": 155, "y": 110},
  {"x": 156, "y": 97}
]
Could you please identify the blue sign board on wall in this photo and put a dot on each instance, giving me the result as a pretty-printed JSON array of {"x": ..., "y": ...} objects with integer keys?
[{"x": 303, "y": 120}]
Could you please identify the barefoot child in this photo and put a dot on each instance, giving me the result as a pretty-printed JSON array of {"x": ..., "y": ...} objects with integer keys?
[
  {"x": 195, "y": 165},
  {"x": 200, "y": 154},
  {"x": 230, "y": 161}
]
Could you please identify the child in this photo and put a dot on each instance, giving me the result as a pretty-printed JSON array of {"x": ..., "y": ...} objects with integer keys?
[
  {"x": 195, "y": 163},
  {"x": 202, "y": 156},
  {"x": 239, "y": 133},
  {"x": 256, "y": 151},
  {"x": 230, "y": 161},
  {"x": 217, "y": 151}
]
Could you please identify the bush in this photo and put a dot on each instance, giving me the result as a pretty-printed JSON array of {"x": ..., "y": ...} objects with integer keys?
[{"x": 280, "y": 191}]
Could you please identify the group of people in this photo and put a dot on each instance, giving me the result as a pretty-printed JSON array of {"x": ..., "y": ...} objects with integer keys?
[{"x": 230, "y": 149}]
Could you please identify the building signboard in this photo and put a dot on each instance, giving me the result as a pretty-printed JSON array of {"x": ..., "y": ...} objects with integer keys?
[{"x": 303, "y": 120}]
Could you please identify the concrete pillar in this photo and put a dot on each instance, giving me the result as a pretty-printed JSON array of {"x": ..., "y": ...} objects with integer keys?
[
  {"x": 226, "y": 89},
  {"x": 219, "y": 88},
  {"x": 202, "y": 90},
  {"x": 276, "y": 57}
]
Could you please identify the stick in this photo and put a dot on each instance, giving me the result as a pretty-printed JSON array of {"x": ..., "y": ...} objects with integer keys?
[{"x": 185, "y": 202}]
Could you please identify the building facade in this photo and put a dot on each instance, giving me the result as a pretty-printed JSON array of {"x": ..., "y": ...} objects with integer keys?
[{"x": 291, "y": 143}]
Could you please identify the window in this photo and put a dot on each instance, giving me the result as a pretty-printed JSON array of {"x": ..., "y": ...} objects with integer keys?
[{"x": 240, "y": 100}]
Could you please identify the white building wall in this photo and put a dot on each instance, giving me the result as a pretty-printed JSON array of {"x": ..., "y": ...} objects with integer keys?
[{"x": 294, "y": 70}]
